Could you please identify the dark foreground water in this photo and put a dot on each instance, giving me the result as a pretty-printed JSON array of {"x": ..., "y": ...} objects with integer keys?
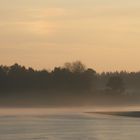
[{"x": 68, "y": 126}]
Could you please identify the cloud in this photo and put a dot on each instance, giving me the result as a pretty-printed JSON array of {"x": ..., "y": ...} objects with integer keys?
[{"x": 28, "y": 25}]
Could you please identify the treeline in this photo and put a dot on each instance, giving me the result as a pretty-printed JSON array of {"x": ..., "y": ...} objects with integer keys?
[
  {"x": 73, "y": 76},
  {"x": 70, "y": 77}
]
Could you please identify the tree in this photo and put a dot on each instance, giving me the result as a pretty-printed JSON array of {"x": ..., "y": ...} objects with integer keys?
[
  {"x": 116, "y": 83},
  {"x": 75, "y": 67}
]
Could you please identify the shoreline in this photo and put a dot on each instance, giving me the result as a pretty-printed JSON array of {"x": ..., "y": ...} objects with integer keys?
[{"x": 135, "y": 114}]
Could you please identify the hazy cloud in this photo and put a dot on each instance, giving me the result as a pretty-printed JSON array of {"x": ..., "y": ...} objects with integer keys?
[{"x": 56, "y": 29}]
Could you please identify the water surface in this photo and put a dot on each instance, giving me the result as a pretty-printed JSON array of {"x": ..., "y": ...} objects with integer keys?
[{"x": 68, "y": 126}]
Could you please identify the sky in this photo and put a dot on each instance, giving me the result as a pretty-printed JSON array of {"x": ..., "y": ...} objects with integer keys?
[{"x": 103, "y": 34}]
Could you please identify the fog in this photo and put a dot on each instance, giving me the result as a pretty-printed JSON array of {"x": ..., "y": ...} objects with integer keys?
[
  {"x": 5, "y": 112},
  {"x": 70, "y": 85}
]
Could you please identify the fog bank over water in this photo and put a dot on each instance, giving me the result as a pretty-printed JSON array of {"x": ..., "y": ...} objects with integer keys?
[
  {"x": 70, "y": 85},
  {"x": 62, "y": 110}
]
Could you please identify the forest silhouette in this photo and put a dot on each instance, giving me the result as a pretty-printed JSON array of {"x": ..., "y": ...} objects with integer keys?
[{"x": 72, "y": 83}]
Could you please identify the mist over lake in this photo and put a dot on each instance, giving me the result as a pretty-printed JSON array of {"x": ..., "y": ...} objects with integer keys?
[{"x": 72, "y": 84}]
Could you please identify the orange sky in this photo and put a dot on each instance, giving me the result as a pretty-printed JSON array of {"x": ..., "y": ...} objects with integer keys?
[{"x": 103, "y": 34}]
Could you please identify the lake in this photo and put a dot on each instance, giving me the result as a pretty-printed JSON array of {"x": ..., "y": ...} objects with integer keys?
[{"x": 67, "y": 126}]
